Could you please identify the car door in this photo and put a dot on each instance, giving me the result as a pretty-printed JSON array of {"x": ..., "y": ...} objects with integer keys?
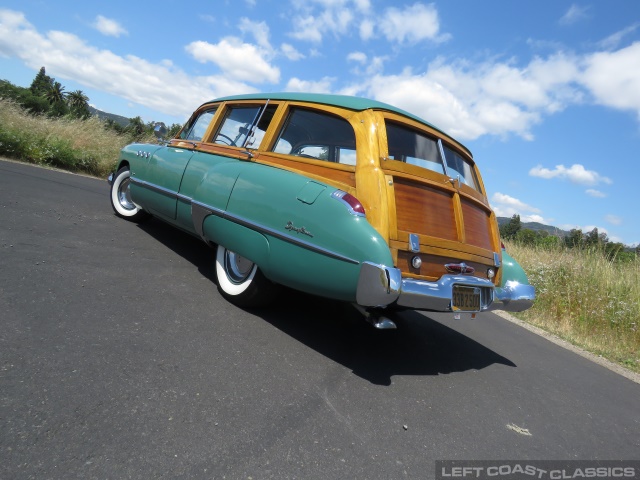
[{"x": 166, "y": 167}]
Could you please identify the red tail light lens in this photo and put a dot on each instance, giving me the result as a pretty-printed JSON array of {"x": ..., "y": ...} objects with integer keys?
[{"x": 351, "y": 202}]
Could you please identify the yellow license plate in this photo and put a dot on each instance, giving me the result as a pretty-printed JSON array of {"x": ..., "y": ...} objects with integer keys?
[{"x": 466, "y": 299}]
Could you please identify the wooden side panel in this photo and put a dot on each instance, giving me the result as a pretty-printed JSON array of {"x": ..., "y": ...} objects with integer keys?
[
  {"x": 424, "y": 210},
  {"x": 477, "y": 225},
  {"x": 324, "y": 171}
]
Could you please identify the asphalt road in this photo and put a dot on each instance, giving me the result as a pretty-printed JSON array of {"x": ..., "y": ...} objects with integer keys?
[{"x": 119, "y": 359}]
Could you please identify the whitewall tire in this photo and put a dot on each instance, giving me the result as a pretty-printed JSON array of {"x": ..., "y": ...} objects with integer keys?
[
  {"x": 240, "y": 280},
  {"x": 121, "y": 201}
]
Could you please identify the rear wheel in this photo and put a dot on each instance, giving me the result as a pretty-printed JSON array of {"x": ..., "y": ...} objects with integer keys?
[
  {"x": 121, "y": 197},
  {"x": 240, "y": 280}
]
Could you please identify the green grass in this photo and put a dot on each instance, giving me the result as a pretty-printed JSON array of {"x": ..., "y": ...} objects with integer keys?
[
  {"x": 585, "y": 299},
  {"x": 77, "y": 145}
]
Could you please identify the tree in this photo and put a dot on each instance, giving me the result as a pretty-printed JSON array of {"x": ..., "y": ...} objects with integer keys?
[
  {"x": 56, "y": 93},
  {"x": 136, "y": 125},
  {"x": 79, "y": 104},
  {"x": 527, "y": 236},
  {"x": 42, "y": 83},
  {"x": 509, "y": 230},
  {"x": 574, "y": 239}
]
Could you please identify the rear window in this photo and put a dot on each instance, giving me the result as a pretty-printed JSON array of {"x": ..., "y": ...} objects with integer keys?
[
  {"x": 410, "y": 146},
  {"x": 415, "y": 148}
]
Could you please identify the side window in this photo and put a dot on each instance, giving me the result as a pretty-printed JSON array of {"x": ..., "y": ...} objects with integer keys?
[
  {"x": 236, "y": 126},
  {"x": 459, "y": 167},
  {"x": 197, "y": 128},
  {"x": 317, "y": 135},
  {"x": 410, "y": 146},
  {"x": 245, "y": 126}
]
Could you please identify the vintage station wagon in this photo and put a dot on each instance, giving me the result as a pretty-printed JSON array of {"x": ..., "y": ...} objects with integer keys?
[{"x": 337, "y": 196}]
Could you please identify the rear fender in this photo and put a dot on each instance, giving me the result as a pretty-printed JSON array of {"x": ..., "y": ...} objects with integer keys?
[
  {"x": 512, "y": 271},
  {"x": 291, "y": 227}
]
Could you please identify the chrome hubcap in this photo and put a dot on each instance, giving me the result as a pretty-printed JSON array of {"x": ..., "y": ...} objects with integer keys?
[
  {"x": 237, "y": 267},
  {"x": 124, "y": 195}
]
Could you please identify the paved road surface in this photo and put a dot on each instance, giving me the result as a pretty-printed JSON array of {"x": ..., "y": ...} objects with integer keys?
[{"x": 119, "y": 359}]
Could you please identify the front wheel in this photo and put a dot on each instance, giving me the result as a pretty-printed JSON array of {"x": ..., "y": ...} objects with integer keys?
[
  {"x": 121, "y": 197},
  {"x": 240, "y": 280}
]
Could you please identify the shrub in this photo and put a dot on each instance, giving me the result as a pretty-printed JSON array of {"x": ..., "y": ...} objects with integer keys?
[
  {"x": 72, "y": 144},
  {"x": 586, "y": 297}
]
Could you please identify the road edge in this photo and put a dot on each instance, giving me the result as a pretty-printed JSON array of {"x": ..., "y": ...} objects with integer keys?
[{"x": 608, "y": 364}]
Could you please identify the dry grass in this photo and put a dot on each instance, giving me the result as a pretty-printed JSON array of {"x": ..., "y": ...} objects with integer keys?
[
  {"x": 77, "y": 145},
  {"x": 585, "y": 299}
]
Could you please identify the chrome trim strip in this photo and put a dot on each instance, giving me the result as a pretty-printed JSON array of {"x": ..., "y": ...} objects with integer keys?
[
  {"x": 262, "y": 229},
  {"x": 154, "y": 187},
  {"x": 199, "y": 211}
]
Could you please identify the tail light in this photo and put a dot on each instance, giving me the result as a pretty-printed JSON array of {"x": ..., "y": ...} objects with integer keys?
[{"x": 351, "y": 202}]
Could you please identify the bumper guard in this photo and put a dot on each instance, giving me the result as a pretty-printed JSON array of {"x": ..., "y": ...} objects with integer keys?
[{"x": 381, "y": 286}]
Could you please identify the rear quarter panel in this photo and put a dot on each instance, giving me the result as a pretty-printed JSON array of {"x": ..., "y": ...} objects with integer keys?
[{"x": 293, "y": 229}]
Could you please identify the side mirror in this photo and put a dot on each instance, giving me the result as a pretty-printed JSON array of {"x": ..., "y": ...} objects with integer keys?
[{"x": 160, "y": 130}]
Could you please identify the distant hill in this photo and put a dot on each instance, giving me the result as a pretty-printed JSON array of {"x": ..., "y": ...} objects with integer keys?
[
  {"x": 535, "y": 226},
  {"x": 120, "y": 120}
]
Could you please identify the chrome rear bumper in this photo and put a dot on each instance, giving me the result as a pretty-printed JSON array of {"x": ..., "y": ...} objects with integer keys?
[{"x": 381, "y": 286}]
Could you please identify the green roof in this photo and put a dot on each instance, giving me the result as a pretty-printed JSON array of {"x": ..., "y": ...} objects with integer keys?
[{"x": 344, "y": 101}]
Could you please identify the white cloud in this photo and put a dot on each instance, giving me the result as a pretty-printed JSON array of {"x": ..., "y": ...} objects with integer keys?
[
  {"x": 239, "y": 61},
  {"x": 595, "y": 193},
  {"x": 357, "y": 57},
  {"x": 335, "y": 19},
  {"x": 290, "y": 52},
  {"x": 412, "y": 24},
  {"x": 613, "y": 78},
  {"x": 131, "y": 78},
  {"x": 575, "y": 174},
  {"x": 367, "y": 27},
  {"x": 307, "y": 28},
  {"x": 507, "y": 206},
  {"x": 259, "y": 31},
  {"x": 613, "y": 40},
  {"x": 613, "y": 219},
  {"x": 574, "y": 14},
  {"x": 109, "y": 27},
  {"x": 321, "y": 86}
]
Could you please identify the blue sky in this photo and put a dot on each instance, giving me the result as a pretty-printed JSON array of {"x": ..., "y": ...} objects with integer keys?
[{"x": 545, "y": 93}]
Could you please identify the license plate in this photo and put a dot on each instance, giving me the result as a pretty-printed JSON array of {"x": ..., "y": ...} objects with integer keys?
[{"x": 466, "y": 299}]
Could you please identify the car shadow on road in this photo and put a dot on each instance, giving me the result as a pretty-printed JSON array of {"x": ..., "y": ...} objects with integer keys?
[{"x": 420, "y": 346}]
